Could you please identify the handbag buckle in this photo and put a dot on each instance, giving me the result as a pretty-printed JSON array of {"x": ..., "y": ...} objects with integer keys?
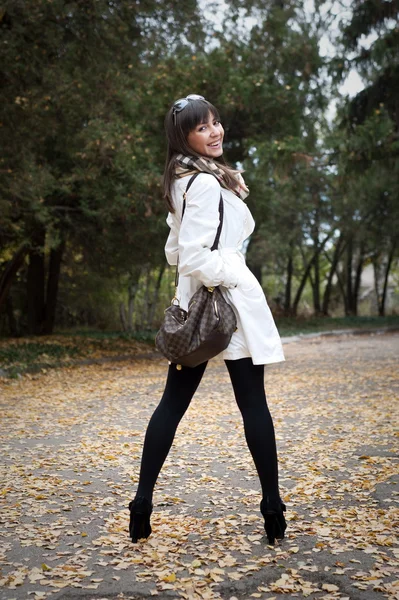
[{"x": 211, "y": 289}]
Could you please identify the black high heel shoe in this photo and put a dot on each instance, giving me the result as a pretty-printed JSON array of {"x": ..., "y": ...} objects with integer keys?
[
  {"x": 140, "y": 512},
  {"x": 273, "y": 513}
]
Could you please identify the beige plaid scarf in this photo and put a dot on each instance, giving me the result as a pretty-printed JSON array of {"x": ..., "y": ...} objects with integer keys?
[{"x": 187, "y": 165}]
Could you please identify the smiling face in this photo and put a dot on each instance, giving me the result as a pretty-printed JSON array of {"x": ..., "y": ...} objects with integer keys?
[{"x": 206, "y": 138}]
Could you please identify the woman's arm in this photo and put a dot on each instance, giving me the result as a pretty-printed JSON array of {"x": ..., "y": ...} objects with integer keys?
[
  {"x": 197, "y": 235},
  {"x": 172, "y": 243}
]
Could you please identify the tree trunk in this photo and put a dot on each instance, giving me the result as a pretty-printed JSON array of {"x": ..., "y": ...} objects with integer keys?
[
  {"x": 133, "y": 289},
  {"x": 146, "y": 300},
  {"x": 316, "y": 262},
  {"x": 358, "y": 280},
  {"x": 341, "y": 285},
  {"x": 53, "y": 277},
  {"x": 376, "y": 279},
  {"x": 300, "y": 289},
  {"x": 12, "y": 323},
  {"x": 156, "y": 295},
  {"x": 311, "y": 280},
  {"x": 348, "y": 278},
  {"x": 288, "y": 285},
  {"x": 334, "y": 264},
  {"x": 36, "y": 283},
  {"x": 306, "y": 273},
  {"x": 381, "y": 304},
  {"x": 11, "y": 269},
  {"x": 132, "y": 292},
  {"x": 316, "y": 286},
  {"x": 122, "y": 316},
  {"x": 257, "y": 271}
]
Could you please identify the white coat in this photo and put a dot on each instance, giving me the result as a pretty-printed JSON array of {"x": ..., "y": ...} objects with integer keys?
[{"x": 191, "y": 240}]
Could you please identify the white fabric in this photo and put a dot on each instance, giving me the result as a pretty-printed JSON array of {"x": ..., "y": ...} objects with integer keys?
[{"x": 256, "y": 336}]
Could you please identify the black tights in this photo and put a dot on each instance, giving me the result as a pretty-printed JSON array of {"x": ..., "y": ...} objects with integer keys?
[{"x": 249, "y": 391}]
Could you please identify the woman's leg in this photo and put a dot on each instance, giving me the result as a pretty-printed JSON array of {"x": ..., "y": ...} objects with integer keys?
[
  {"x": 180, "y": 388},
  {"x": 249, "y": 391}
]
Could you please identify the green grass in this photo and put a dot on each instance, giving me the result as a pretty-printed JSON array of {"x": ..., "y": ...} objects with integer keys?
[
  {"x": 288, "y": 326},
  {"x": 16, "y": 358},
  {"x": 32, "y": 351},
  {"x": 68, "y": 347},
  {"x": 35, "y": 354}
]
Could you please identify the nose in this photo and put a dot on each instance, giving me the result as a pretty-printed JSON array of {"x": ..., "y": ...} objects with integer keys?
[{"x": 214, "y": 131}]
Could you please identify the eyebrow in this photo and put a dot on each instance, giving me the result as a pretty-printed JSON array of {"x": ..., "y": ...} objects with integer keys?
[{"x": 206, "y": 122}]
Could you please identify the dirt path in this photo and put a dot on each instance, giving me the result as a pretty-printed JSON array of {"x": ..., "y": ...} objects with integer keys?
[{"x": 71, "y": 442}]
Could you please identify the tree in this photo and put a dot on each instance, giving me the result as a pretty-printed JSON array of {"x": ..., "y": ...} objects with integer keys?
[
  {"x": 368, "y": 142},
  {"x": 77, "y": 164}
]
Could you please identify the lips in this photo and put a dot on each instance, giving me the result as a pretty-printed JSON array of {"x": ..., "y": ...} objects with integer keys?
[{"x": 215, "y": 144}]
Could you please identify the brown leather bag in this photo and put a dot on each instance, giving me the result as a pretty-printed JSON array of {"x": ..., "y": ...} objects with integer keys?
[{"x": 189, "y": 338}]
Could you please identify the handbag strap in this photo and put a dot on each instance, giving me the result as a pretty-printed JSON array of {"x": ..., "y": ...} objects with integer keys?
[{"x": 218, "y": 232}]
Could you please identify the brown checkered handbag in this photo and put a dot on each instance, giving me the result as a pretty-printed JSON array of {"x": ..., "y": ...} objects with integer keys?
[{"x": 189, "y": 338}]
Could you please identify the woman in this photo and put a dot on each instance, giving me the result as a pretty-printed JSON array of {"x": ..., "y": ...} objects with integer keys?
[{"x": 195, "y": 145}]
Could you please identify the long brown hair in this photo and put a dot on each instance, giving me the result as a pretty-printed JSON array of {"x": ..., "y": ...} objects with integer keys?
[{"x": 177, "y": 128}]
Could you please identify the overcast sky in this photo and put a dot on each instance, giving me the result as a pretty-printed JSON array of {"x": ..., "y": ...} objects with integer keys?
[
  {"x": 353, "y": 83},
  {"x": 340, "y": 8}
]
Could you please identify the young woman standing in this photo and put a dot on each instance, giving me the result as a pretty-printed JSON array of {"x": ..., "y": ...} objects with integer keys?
[{"x": 195, "y": 145}]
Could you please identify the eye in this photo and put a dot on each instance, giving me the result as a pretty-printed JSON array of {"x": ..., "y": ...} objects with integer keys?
[{"x": 202, "y": 128}]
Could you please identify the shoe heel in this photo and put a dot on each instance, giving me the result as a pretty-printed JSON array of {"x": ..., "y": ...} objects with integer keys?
[
  {"x": 275, "y": 524},
  {"x": 140, "y": 512}
]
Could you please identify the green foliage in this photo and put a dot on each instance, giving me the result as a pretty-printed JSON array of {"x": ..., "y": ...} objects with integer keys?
[
  {"x": 85, "y": 86},
  {"x": 81, "y": 144}
]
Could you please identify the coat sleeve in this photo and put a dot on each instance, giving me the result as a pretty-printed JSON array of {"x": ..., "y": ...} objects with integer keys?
[
  {"x": 197, "y": 234},
  {"x": 172, "y": 243}
]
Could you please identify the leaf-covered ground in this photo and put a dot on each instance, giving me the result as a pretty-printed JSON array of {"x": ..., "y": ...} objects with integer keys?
[
  {"x": 32, "y": 355},
  {"x": 71, "y": 443}
]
